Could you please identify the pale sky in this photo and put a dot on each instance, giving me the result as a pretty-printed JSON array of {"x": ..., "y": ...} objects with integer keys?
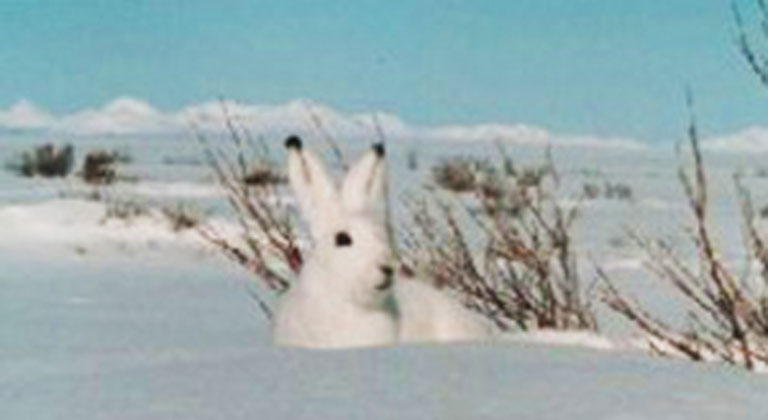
[{"x": 593, "y": 67}]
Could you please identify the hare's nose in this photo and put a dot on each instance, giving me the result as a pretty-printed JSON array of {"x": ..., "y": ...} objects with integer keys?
[{"x": 388, "y": 272}]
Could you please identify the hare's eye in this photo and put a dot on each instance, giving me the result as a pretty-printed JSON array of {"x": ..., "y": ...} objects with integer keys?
[{"x": 343, "y": 239}]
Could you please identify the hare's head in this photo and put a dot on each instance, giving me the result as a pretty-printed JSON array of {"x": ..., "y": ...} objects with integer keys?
[{"x": 351, "y": 255}]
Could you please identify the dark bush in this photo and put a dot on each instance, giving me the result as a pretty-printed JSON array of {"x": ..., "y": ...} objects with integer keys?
[
  {"x": 609, "y": 191},
  {"x": 262, "y": 175},
  {"x": 181, "y": 217},
  {"x": 618, "y": 191},
  {"x": 98, "y": 166},
  {"x": 461, "y": 174},
  {"x": 591, "y": 191},
  {"x": 46, "y": 160}
]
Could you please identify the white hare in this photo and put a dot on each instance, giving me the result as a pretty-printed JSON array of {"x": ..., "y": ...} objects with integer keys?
[{"x": 347, "y": 294}]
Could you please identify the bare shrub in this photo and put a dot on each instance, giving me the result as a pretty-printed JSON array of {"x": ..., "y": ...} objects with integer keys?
[
  {"x": 261, "y": 173},
  {"x": 506, "y": 250},
  {"x": 182, "y": 217},
  {"x": 764, "y": 212},
  {"x": 123, "y": 209},
  {"x": 460, "y": 174},
  {"x": 591, "y": 191},
  {"x": 727, "y": 315},
  {"x": 266, "y": 243},
  {"x": 412, "y": 159},
  {"x": 726, "y": 320},
  {"x": 618, "y": 191},
  {"x": 99, "y": 166},
  {"x": 610, "y": 191},
  {"x": 46, "y": 160},
  {"x": 528, "y": 278},
  {"x": 751, "y": 50},
  {"x": 533, "y": 176}
]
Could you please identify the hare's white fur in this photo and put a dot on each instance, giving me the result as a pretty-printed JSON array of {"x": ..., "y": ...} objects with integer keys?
[
  {"x": 344, "y": 296},
  {"x": 427, "y": 314}
]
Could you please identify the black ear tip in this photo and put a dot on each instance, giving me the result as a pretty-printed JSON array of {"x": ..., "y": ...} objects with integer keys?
[
  {"x": 379, "y": 149},
  {"x": 293, "y": 142}
]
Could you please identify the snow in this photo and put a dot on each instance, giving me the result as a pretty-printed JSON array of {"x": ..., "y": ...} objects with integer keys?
[
  {"x": 121, "y": 116},
  {"x": 749, "y": 140},
  {"x": 153, "y": 339},
  {"x": 24, "y": 115},
  {"x": 131, "y": 116},
  {"x": 159, "y": 189},
  {"x": 129, "y": 320},
  {"x": 126, "y": 116},
  {"x": 583, "y": 339},
  {"x": 76, "y": 224}
]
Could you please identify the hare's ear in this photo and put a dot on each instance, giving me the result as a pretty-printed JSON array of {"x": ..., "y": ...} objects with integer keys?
[
  {"x": 363, "y": 187},
  {"x": 313, "y": 187}
]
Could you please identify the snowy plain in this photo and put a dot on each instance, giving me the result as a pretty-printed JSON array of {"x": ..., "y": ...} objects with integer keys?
[
  {"x": 140, "y": 337},
  {"x": 108, "y": 320}
]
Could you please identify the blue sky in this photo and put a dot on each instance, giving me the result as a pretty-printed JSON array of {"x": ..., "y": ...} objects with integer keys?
[{"x": 598, "y": 67}]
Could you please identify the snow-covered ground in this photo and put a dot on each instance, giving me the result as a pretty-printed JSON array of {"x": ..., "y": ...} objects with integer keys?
[
  {"x": 103, "y": 319},
  {"x": 178, "y": 337}
]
